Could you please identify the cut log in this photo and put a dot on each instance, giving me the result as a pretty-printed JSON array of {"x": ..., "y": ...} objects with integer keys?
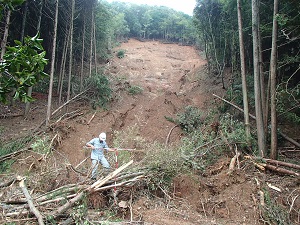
[
  {"x": 276, "y": 162},
  {"x": 280, "y": 170},
  {"x": 34, "y": 210}
]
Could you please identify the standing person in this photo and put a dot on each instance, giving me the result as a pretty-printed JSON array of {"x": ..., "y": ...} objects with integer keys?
[{"x": 98, "y": 145}]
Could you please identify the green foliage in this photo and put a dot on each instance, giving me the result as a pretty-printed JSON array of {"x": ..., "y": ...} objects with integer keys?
[
  {"x": 79, "y": 213},
  {"x": 288, "y": 103},
  {"x": 5, "y": 166},
  {"x": 204, "y": 146},
  {"x": 14, "y": 145},
  {"x": 121, "y": 54},
  {"x": 152, "y": 22},
  {"x": 100, "y": 90},
  {"x": 190, "y": 119},
  {"x": 273, "y": 213},
  {"x": 10, "y": 147},
  {"x": 22, "y": 67},
  {"x": 11, "y": 4},
  {"x": 165, "y": 164},
  {"x": 41, "y": 145},
  {"x": 134, "y": 90}
]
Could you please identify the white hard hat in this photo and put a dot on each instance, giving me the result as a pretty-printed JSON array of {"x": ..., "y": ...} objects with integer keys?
[{"x": 102, "y": 136}]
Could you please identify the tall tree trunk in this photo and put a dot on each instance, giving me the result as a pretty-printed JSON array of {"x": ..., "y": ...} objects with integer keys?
[
  {"x": 91, "y": 43},
  {"x": 71, "y": 48},
  {"x": 273, "y": 70},
  {"x": 82, "y": 55},
  {"x": 24, "y": 21},
  {"x": 263, "y": 92},
  {"x": 38, "y": 28},
  {"x": 257, "y": 81},
  {"x": 243, "y": 72},
  {"x": 62, "y": 71},
  {"x": 52, "y": 64},
  {"x": 95, "y": 46},
  {"x": 5, "y": 35}
]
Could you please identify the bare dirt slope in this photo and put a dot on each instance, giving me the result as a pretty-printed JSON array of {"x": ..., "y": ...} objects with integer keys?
[{"x": 172, "y": 77}]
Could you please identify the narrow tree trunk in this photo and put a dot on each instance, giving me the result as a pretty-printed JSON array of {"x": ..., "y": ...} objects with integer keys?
[
  {"x": 95, "y": 46},
  {"x": 5, "y": 35},
  {"x": 91, "y": 43},
  {"x": 52, "y": 65},
  {"x": 63, "y": 67},
  {"x": 71, "y": 49},
  {"x": 243, "y": 72},
  {"x": 38, "y": 27},
  {"x": 273, "y": 69},
  {"x": 24, "y": 21},
  {"x": 257, "y": 81},
  {"x": 82, "y": 55}
]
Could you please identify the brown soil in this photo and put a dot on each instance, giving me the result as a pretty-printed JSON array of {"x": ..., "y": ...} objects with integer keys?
[{"x": 172, "y": 77}]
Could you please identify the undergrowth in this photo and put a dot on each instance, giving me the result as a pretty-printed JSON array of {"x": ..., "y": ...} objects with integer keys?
[
  {"x": 100, "y": 93},
  {"x": 10, "y": 147},
  {"x": 273, "y": 213}
]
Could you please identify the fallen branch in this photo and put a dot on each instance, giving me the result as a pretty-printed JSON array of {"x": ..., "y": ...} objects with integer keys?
[
  {"x": 91, "y": 118},
  {"x": 7, "y": 183},
  {"x": 13, "y": 154},
  {"x": 169, "y": 134},
  {"x": 29, "y": 200},
  {"x": 253, "y": 117},
  {"x": 279, "y": 170},
  {"x": 59, "y": 108},
  {"x": 99, "y": 183},
  {"x": 90, "y": 189},
  {"x": 276, "y": 162},
  {"x": 68, "y": 115},
  {"x": 69, "y": 204},
  {"x": 232, "y": 163},
  {"x": 290, "y": 139}
]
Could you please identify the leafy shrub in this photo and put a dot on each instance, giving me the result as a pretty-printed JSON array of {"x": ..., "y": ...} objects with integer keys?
[
  {"x": 189, "y": 120},
  {"x": 121, "y": 54},
  {"x": 288, "y": 103},
  {"x": 273, "y": 213},
  {"x": 100, "y": 90},
  {"x": 17, "y": 75},
  {"x": 165, "y": 163},
  {"x": 203, "y": 147},
  {"x": 41, "y": 145},
  {"x": 12, "y": 146},
  {"x": 134, "y": 90}
]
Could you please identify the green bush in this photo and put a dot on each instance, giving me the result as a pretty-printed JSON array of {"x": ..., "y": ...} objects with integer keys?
[
  {"x": 288, "y": 103},
  {"x": 41, "y": 145},
  {"x": 100, "y": 91},
  {"x": 10, "y": 147},
  {"x": 121, "y": 54},
  {"x": 134, "y": 90},
  {"x": 189, "y": 120}
]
